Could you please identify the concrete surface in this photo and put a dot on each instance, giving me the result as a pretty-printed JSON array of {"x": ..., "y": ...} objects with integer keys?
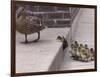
[
  {"x": 39, "y": 56},
  {"x": 46, "y": 54},
  {"x": 83, "y": 32}
]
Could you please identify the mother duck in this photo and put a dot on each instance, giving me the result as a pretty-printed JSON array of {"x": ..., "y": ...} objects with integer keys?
[{"x": 28, "y": 24}]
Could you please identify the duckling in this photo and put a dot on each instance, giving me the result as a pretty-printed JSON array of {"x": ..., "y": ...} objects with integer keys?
[
  {"x": 92, "y": 53},
  {"x": 72, "y": 46},
  {"x": 27, "y": 24},
  {"x": 85, "y": 46},
  {"x": 64, "y": 41},
  {"x": 78, "y": 54},
  {"x": 79, "y": 50},
  {"x": 89, "y": 55},
  {"x": 84, "y": 55},
  {"x": 72, "y": 50},
  {"x": 76, "y": 44},
  {"x": 75, "y": 54},
  {"x": 81, "y": 46},
  {"x": 82, "y": 52},
  {"x": 59, "y": 38}
]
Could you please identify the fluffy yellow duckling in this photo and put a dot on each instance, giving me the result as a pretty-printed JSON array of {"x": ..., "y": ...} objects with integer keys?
[
  {"x": 83, "y": 55},
  {"x": 76, "y": 44},
  {"x": 63, "y": 40}
]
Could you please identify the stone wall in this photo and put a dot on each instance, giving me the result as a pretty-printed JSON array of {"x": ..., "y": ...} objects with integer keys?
[{"x": 53, "y": 16}]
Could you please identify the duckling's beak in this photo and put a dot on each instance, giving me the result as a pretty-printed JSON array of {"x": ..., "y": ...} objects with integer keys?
[{"x": 58, "y": 39}]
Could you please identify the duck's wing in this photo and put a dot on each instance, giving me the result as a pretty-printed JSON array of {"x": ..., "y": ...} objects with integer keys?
[{"x": 33, "y": 20}]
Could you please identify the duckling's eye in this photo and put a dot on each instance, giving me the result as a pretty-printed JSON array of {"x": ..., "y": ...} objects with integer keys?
[{"x": 76, "y": 42}]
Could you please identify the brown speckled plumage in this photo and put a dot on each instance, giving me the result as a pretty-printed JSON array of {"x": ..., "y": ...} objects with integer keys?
[{"x": 27, "y": 24}]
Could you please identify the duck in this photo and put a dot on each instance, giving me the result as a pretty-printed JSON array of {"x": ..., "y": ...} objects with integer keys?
[{"x": 28, "y": 24}]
